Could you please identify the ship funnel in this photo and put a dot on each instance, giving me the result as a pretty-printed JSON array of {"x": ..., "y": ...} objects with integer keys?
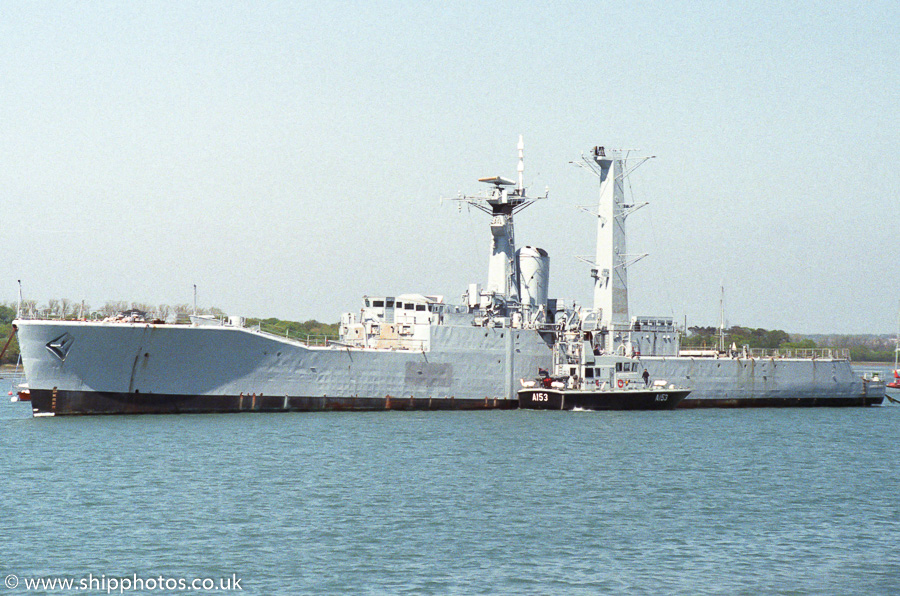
[{"x": 534, "y": 275}]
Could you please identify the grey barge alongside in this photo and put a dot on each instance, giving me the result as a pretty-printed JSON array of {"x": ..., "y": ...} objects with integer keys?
[{"x": 417, "y": 351}]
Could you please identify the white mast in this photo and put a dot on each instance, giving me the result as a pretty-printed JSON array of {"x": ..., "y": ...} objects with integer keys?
[
  {"x": 501, "y": 267},
  {"x": 610, "y": 272},
  {"x": 610, "y": 265},
  {"x": 521, "y": 167},
  {"x": 611, "y": 281},
  {"x": 721, "y": 344}
]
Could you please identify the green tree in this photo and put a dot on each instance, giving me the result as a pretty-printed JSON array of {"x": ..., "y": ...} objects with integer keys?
[
  {"x": 803, "y": 344},
  {"x": 12, "y": 352},
  {"x": 7, "y": 314},
  {"x": 296, "y": 329}
]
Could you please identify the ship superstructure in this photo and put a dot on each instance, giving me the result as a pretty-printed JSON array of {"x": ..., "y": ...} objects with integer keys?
[{"x": 515, "y": 296}]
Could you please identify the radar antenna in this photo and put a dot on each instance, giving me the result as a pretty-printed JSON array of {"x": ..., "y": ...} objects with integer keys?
[{"x": 501, "y": 204}]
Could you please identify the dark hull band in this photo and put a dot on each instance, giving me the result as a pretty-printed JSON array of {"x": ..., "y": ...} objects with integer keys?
[
  {"x": 551, "y": 399},
  {"x": 783, "y": 402},
  {"x": 74, "y": 403}
]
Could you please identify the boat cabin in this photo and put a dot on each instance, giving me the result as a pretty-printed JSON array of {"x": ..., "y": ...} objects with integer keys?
[{"x": 605, "y": 372}]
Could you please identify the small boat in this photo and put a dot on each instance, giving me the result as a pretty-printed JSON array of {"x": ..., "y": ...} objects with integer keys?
[
  {"x": 584, "y": 380},
  {"x": 651, "y": 398},
  {"x": 895, "y": 384}
]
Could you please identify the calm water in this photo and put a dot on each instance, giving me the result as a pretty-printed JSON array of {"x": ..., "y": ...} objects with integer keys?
[{"x": 784, "y": 501}]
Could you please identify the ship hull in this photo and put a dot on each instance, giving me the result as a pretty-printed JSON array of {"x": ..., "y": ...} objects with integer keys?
[
  {"x": 765, "y": 382},
  {"x": 97, "y": 368}
]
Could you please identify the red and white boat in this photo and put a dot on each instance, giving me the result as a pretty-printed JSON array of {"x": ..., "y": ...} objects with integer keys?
[{"x": 895, "y": 384}]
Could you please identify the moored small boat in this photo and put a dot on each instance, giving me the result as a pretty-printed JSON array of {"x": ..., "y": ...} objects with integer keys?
[
  {"x": 895, "y": 384},
  {"x": 584, "y": 380},
  {"x": 651, "y": 398}
]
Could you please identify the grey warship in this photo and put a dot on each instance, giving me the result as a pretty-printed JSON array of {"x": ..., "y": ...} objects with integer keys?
[{"x": 415, "y": 351}]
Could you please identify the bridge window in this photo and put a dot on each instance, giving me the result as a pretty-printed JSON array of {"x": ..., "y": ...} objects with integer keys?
[
  {"x": 389, "y": 303},
  {"x": 420, "y": 307},
  {"x": 378, "y": 303}
]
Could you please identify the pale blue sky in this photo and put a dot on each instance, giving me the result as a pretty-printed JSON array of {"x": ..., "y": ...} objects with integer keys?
[{"x": 289, "y": 159}]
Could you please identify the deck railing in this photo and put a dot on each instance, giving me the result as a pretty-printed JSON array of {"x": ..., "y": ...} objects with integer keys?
[
  {"x": 304, "y": 338},
  {"x": 802, "y": 353}
]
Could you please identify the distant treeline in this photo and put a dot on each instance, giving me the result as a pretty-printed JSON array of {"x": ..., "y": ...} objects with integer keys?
[
  {"x": 296, "y": 329},
  {"x": 743, "y": 336},
  {"x": 863, "y": 348},
  {"x": 7, "y": 314}
]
